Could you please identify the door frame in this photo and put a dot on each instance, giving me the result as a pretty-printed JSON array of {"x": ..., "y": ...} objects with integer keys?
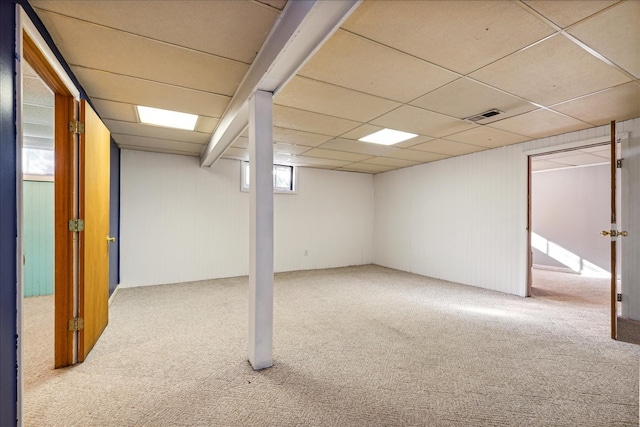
[
  {"x": 32, "y": 47},
  {"x": 594, "y": 142},
  {"x": 65, "y": 208}
]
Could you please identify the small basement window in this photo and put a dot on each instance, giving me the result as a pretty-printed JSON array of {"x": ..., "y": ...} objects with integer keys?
[
  {"x": 37, "y": 161},
  {"x": 284, "y": 178}
]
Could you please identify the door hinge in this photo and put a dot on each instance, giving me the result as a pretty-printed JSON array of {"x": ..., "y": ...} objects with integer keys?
[
  {"x": 619, "y": 297},
  {"x": 76, "y": 225},
  {"x": 76, "y": 127},
  {"x": 76, "y": 324},
  {"x": 619, "y": 163}
]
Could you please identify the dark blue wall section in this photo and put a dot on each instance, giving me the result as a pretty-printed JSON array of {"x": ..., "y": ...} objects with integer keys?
[
  {"x": 8, "y": 218},
  {"x": 114, "y": 218}
]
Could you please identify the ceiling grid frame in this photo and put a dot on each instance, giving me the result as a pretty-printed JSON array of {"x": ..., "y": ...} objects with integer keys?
[{"x": 577, "y": 112}]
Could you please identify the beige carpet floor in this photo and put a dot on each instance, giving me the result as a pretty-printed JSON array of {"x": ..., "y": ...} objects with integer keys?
[{"x": 356, "y": 346}]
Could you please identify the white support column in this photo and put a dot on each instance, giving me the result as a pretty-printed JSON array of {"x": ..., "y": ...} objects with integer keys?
[{"x": 261, "y": 230}]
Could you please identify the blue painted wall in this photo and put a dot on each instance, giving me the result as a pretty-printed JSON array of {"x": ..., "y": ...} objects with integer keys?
[
  {"x": 114, "y": 218},
  {"x": 8, "y": 218},
  {"x": 37, "y": 238},
  {"x": 8, "y": 213}
]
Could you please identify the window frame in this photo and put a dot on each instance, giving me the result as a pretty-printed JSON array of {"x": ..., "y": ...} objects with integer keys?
[{"x": 244, "y": 185}]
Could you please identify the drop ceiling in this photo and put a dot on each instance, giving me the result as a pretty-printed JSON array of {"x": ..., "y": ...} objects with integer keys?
[
  {"x": 588, "y": 156},
  {"x": 415, "y": 66},
  {"x": 37, "y": 112}
]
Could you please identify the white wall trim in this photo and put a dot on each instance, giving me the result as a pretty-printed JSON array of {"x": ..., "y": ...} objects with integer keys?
[
  {"x": 113, "y": 294},
  {"x": 575, "y": 145},
  {"x": 553, "y": 268},
  {"x": 27, "y": 25}
]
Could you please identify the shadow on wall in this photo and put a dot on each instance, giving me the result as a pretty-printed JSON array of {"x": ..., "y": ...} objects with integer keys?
[{"x": 564, "y": 256}]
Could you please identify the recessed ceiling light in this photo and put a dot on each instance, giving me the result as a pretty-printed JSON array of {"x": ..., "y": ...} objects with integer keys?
[
  {"x": 166, "y": 118},
  {"x": 387, "y": 137}
]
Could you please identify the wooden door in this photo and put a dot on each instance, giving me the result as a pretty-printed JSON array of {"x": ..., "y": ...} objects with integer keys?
[
  {"x": 614, "y": 234},
  {"x": 93, "y": 286}
]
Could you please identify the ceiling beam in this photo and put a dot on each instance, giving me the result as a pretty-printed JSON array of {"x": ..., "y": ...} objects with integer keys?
[{"x": 299, "y": 32}]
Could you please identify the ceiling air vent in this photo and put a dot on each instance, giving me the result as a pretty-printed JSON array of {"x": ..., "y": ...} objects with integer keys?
[{"x": 479, "y": 118}]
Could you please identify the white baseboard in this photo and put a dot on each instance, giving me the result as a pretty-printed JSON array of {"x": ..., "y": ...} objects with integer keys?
[
  {"x": 113, "y": 295},
  {"x": 554, "y": 268}
]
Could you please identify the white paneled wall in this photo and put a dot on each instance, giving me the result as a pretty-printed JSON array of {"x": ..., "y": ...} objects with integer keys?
[
  {"x": 454, "y": 219},
  {"x": 180, "y": 222},
  {"x": 330, "y": 219},
  {"x": 461, "y": 219},
  {"x": 464, "y": 219}
]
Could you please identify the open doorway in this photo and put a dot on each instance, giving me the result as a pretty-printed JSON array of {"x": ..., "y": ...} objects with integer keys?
[
  {"x": 570, "y": 205},
  {"x": 38, "y": 227}
]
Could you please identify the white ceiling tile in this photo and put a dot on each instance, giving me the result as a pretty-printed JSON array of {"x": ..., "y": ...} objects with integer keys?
[
  {"x": 389, "y": 73},
  {"x": 28, "y": 71},
  {"x": 417, "y": 156},
  {"x": 37, "y": 114},
  {"x": 38, "y": 130},
  {"x": 359, "y": 147},
  {"x": 231, "y": 29},
  {"x": 206, "y": 124},
  {"x": 458, "y": 35},
  {"x": 289, "y": 149},
  {"x": 488, "y": 137},
  {"x": 450, "y": 148},
  {"x": 157, "y": 150},
  {"x": 389, "y": 162},
  {"x": 367, "y": 168},
  {"x": 465, "y": 98},
  {"x": 35, "y": 92},
  {"x": 549, "y": 72},
  {"x": 37, "y": 142},
  {"x": 581, "y": 159},
  {"x": 137, "y": 129},
  {"x": 567, "y": 12},
  {"x": 603, "y": 151},
  {"x": 292, "y": 118},
  {"x": 361, "y": 131},
  {"x": 114, "y": 87},
  {"x": 417, "y": 120},
  {"x": 316, "y": 162},
  {"x": 115, "y": 110},
  {"x": 619, "y": 103},
  {"x": 540, "y": 123},
  {"x": 278, "y": 4},
  {"x": 597, "y": 149},
  {"x": 615, "y": 33},
  {"x": 553, "y": 156},
  {"x": 539, "y": 165},
  {"x": 236, "y": 153},
  {"x": 297, "y": 137},
  {"x": 337, "y": 155},
  {"x": 324, "y": 98},
  {"x": 97, "y": 47},
  {"x": 241, "y": 142},
  {"x": 156, "y": 143}
]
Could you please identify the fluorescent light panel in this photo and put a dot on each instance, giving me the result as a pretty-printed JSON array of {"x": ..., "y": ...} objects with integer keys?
[
  {"x": 166, "y": 118},
  {"x": 387, "y": 137}
]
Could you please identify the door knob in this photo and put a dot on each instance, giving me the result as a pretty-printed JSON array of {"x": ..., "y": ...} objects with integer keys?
[
  {"x": 111, "y": 239},
  {"x": 614, "y": 233}
]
